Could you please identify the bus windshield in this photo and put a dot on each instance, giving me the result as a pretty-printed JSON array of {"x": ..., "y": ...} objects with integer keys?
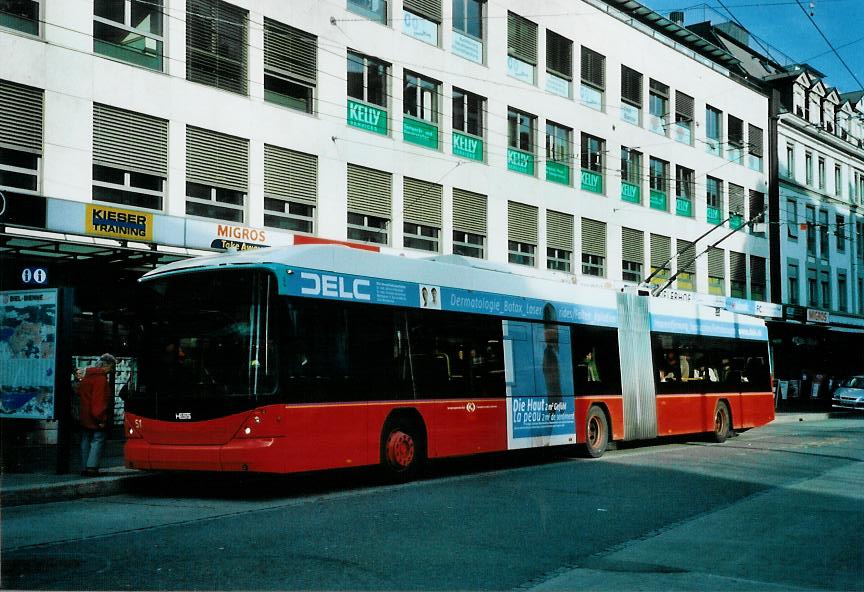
[{"x": 207, "y": 335}]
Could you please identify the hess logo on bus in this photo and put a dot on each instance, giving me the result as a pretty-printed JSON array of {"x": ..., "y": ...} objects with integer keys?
[{"x": 334, "y": 286}]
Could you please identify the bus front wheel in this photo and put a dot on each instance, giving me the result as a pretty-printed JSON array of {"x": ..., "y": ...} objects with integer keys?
[
  {"x": 722, "y": 422},
  {"x": 596, "y": 433},
  {"x": 402, "y": 450}
]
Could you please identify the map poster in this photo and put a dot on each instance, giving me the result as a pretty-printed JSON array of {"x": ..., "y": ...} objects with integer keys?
[{"x": 28, "y": 340}]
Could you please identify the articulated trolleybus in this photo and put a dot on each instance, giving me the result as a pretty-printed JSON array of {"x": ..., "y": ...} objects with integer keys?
[{"x": 321, "y": 356}]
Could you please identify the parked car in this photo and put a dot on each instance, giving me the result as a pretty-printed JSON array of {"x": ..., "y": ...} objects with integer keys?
[{"x": 850, "y": 394}]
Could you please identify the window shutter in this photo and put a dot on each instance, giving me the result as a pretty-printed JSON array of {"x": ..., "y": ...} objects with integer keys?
[
  {"x": 21, "y": 117},
  {"x": 430, "y": 9},
  {"x": 593, "y": 237},
  {"x": 757, "y": 204},
  {"x": 593, "y": 68},
  {"x": 633, "y": 245},
  {"x": 736, "y": 132},
  {"x": 559, "y": 230},
  {"x": 216, "y": 48},
  {"x": 130, "y": 141},
  {"x": 754, "y": 140},
  {"x": 736, "y": 199},
  {"x": 521, "y": 38},
  {"x": 369, "y": 191},
  {"x": 684, "y": 105},
  {"x": 559, "y": 55},
  {"x": 469, "y": 211},
  {"x": 661, "y": 250},
  {"x": 757, "y": 269},
  {"x": 658, "y": 88},
  {"x": 216, "y": 159},
  {"x": 521, "y": 222},
  {"x": 716, "y": 265},
  {"x": 631, "y": 86},
  {"x": 737, "y": 267},
  {"x": 290, "y": 175},
  {"x": 686, "y": 256},
  {"x": 421, "y": 202},
  {"x": 290, "y": 51}
]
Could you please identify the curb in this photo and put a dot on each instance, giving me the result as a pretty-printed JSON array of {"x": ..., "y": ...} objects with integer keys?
[
  {"x": 21, "y": 495},
  {"x": 792, "y": 417}
]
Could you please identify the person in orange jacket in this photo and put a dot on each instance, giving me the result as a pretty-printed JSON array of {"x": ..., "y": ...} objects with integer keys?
[{"x": 96, "y": 408}]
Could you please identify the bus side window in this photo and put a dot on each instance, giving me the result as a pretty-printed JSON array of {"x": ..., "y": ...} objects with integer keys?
[{"x": 596, "y": 364}]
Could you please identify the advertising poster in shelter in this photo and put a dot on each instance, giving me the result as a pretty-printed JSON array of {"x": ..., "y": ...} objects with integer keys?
[{"x": 28, "y": 339}]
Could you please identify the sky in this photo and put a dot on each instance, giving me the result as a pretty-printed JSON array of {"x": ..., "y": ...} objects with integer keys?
[{"x": 783, "y": 25}]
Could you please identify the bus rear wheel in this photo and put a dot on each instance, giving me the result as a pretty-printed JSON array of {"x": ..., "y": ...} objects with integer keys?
[
  {"x": 596, "y": 433},
  {"x": 402, "y": 450},
  {"x": 722, "y": 422}
]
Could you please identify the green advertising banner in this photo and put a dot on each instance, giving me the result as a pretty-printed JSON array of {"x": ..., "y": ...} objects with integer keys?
[
  {"x": 736, "y": 221},
  {"x": 521, "y": 162},
  {"x": 658, "y": 200},
  {"x": 683, "y": 206},
  {"x": 467, "y": 146},
  {"x": 557, "y": 172},
  {"x": 714, "y": 216},
  {"x": 631, "y": 192},
  {"x": 592, "y": 182},
  {"x": 367, "y": 117},
  {"x": 420, "y": 133}
]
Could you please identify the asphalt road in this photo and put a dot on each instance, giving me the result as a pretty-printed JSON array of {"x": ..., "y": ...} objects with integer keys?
[{"x": 779, "y": 507}]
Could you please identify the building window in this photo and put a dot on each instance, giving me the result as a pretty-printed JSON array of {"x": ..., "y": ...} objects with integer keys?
[
  {"x": 369, "y": 204},
  {"x": 736, "y": 139},
  {"x": 716, "y": 272},
  {"x": 840, "y": 232},
  {"x": 521, "y": 233},
  {"x": 422, "y": 215},
  {"x": 821, "y": 172},
  {"x": 810, "y": 218},
  {"x": 520, "y": 139},
  {"x": 658, "y": 175},
  {"x": 683, "y": 118},
  {"x": 686, "y": 265},
  {"x": 130, "y": 157},
  {"x": 468, "y": 18},
  {"x": 823, "y": 235},
  {"x": 216, "y": 46},
  {"x": 631, "y": 95},
  {"x": 375, "y": 10},
  {"x": 792, "y": 279},
  {"x": 631, "y": 175},
  {"x": 469, "y": 223},
  {"x": 422, "y": 19},
  {"x": 21, "y": 115},
  {"x": 792, "y": 219},
  {"x": 420, "y": 97},
  {"x": 685, "y": 180},
  {"x": 632, "y": 255},
  {"x": 468, "y": 112},
  {"x": 19, "y": 171},
  {"x": 790, "y": 161},
  {"x": 290, "y": 66},
  {"x": 838, "y": 180},
  {"x": 825, "y": 288},
  {"x": 737, "y": 274},
  {"x": 129, "y": 30},
  {"x": 755, "y": 142},
  {"x": 21, "y": 15},
  {"x": 808, "y": 167},
  {"x": 713, "y": 130},
  {"x": 521, "y": 48},
  {"x": 593, "y": 161},
  {"x": 812, "y": 288},
  {"x": 220, "y": 203},
  {"x": 714, "y": 199},
  {"x": 757, "y": 213},
  {"x": 658, "y": 107},
  {"x": 757, "y": 278},
  {"x": 558, "y": 150},
  {"x": 661, "y": 255},
  {"x": 593, "y": 79},
  {"x": 842, "y": 291},
  {"x": 367, "y": 79},
  {"x": 559, "y": 241},
  {"x": 217, "y": 175},
  {"x": 593, "y": 248},
  {"x": 290, "y": 189},
  {"x": 559, "y": 64}
]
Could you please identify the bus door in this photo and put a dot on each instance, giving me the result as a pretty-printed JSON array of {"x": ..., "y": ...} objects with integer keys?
[{"x": 637, "y": 369}]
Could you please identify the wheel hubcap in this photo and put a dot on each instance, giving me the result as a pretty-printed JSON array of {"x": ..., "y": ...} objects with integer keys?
[
  {"x": 594, "y": 431},
  {"x": 720, "y": 421},
  {"x": 400, "y": 450}
]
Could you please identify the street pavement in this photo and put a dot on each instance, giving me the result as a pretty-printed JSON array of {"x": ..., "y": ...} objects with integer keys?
[{"x": 776, "y": 508}]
